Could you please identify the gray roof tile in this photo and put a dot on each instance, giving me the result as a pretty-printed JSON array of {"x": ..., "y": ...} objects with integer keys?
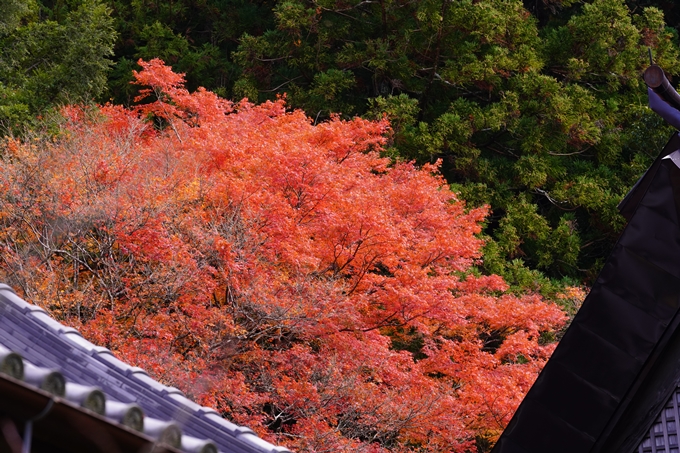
[{"x": 46, "y": 345}]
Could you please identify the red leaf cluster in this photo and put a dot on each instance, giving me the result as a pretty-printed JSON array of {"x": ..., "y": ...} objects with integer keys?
[{"x": 280, "y": 271}]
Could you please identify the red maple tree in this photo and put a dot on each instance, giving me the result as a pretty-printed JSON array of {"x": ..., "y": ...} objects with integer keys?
[{"x": 280, "y": 271}]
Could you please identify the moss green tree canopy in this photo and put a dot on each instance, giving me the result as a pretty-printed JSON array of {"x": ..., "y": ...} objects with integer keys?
[
  {"x": 536, "y": 108},
  {"x": 545, "y": 121},
  {"x": 51, "y": 53},
  {"x": 196, "y": 37}
]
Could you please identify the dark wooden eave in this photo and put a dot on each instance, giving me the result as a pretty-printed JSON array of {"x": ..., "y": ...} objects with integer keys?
[
  {"x": 612, "y": 371},
  {"x": 65, "y": 427},
  {"x": 647, "y": 403}
]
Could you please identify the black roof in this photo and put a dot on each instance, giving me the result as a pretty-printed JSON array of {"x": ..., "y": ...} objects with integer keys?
[
  {"x": 45, "y": 344},
  {"x": 618, "y": 363}
]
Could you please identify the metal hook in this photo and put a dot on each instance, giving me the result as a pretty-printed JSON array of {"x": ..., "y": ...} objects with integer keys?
[{"x": 28, "y": 428}]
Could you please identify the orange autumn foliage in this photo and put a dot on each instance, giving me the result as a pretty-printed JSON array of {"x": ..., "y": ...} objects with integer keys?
[{"x": 280, "y": 271}]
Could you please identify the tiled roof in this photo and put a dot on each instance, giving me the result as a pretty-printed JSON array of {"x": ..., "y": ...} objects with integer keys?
[{"x": 57, "y": 359}]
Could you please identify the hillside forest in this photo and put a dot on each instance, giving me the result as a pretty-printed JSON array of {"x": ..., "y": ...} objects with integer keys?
[{"x": 351, "y": 225}]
